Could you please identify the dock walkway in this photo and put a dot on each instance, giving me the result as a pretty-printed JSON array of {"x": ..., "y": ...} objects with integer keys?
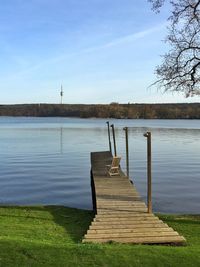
[{"x": 121, "y": 215}]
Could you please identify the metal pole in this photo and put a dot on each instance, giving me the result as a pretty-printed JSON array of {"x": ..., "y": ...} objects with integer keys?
[
  {"x": 149, "y": 177},
  {"x": 127, "y": 151},
  {"x": 113, "y": 132},
  {"x": 110, "y": 148}
]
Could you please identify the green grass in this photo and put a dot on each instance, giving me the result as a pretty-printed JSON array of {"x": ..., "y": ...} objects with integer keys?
[{"x": 51, "y": 236}]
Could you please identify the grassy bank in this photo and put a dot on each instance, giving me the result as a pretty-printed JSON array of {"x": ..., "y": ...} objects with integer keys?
[{"x": 51, "y": 236}]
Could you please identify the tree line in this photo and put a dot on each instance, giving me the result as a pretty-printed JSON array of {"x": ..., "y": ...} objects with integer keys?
[{"x": 113, "y": 110}]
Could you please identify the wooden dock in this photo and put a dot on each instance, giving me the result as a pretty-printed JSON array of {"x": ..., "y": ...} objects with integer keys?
[{"x": 121, "y": 215}]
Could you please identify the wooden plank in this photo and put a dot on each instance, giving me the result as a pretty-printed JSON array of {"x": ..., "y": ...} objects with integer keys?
[
  {"x": 117, "y": 201},
  {"x": 122, "y": 203},
  {"x": 116, "y": 193},
  {"x": 115, "y": 206},
  {"x": 126, "y": 215},
  {"x": 131, "y": 235},
  {"x": 109, "y": 226},
  {"x": 139, "y": 219},
  {"x": 120, "y": 207},
  {"x": 123, "y": 208},
  {"x": 140, "y": 240},
  {"x": 133, "y": 223},
  {"x": 123, "y": 212},
  {"x": 122, "y": 185},
  {"x": 131, "y": 230},
  {"x": 111, "y": 198},
  {"x": 121, "y": 216}
]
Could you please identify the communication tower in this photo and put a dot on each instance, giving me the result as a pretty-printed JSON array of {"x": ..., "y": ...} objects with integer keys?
[{"x": 61, "y": 95}]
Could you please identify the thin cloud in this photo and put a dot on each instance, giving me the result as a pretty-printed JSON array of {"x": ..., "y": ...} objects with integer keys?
[
  {"x": 118, "y": 41},
  {"x": 134, "y": 36}
]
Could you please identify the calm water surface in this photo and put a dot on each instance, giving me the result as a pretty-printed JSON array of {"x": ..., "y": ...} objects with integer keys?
[{"x": 47, "y": 160}]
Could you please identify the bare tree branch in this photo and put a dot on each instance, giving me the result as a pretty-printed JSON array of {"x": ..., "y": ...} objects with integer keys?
[{"x": 180, "y": 69}]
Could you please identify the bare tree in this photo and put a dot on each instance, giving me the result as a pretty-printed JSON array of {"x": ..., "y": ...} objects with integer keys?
[{"x": 180, "y": 69}]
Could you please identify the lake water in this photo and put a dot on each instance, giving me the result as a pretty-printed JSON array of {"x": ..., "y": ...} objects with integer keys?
[{"x": 47, "y": 160}]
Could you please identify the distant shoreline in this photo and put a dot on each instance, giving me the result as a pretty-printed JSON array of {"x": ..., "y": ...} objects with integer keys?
[{"x": 113, "y": 110}]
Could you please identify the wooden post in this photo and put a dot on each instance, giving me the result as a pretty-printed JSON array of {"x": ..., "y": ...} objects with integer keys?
[
  {"x": 127, "y": 151},
  {"x": 93, "y": 191},
  {"x": 113, "y": 132},
  {"x": 149, "y": 177},
  {"x": 110, "y": 147}
]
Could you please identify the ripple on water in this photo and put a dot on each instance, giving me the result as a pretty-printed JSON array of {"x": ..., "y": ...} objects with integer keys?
[{"x": 47, "y": 160}]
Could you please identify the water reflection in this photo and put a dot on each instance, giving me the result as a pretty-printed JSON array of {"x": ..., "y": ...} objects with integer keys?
[{"x": 61, "y": 140}]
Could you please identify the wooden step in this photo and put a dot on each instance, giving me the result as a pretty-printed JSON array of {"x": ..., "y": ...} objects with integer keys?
[
  {"x": 126, "y": 215},
  {"x": 128, "y": 208},
  {"x": 140, "y": 240},
  {"x": 131, "y": 230},
  {"x": 125, "y": 219},
  {"x": 121, "y": 209},
  {"x": 124, "y": 222},
  {"x": 130, "y": 235},
  {"x": 120, "y": 204},
  {"x": 118, "y": 200},
  {"x": 99, "y": 226},
  {"x": 122, "y": 212}
]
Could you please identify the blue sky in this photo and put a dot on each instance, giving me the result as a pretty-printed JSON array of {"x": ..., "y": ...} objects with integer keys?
[{"x": 101, "y": 51}]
